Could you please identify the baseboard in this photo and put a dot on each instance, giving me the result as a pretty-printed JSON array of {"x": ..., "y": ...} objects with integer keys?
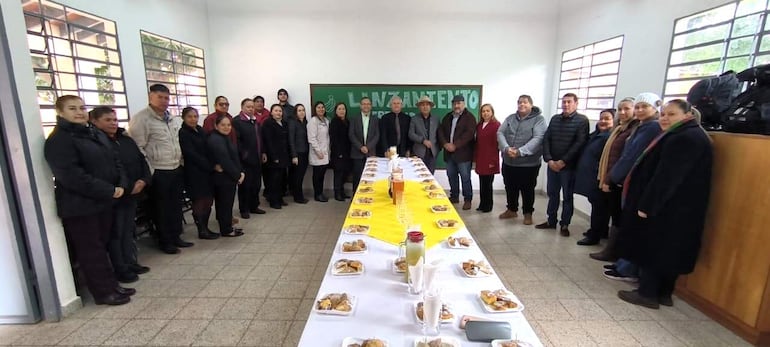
[
  {"x": 748, "y": 333},
  {"x": 71, "y": 307},
  {"x": 576, "y": 211}
]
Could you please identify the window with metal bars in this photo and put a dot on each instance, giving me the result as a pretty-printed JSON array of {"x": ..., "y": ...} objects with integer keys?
[
  {"x": 180, "y": 67},
  {"x": 77, "y": 53},
  {"x": 591, "y": 73},
  {"x": 734, "y": 36}
]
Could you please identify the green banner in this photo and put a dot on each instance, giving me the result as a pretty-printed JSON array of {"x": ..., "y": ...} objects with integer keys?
[{"x": 380, "y": 94}]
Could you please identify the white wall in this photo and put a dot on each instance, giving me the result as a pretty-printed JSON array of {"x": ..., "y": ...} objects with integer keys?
[{"x": 181, "y": 20}]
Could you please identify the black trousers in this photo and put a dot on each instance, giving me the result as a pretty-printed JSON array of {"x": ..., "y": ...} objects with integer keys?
[
  {"x": 274, "y": 184},
  {"x": 655, "y": 284},
  {"x": 342, "y": 167},
  {"x": 166, "y": 195},
  {"x": 297, "y": 176},
  {"x": 520, "y": 179},
  {"x": 121, "y": 245},
  {"x": 87, "y": 237},
  {"x": 614, "y": 198},
  {"x": 600, "y": 215},
  {"x": 358, "y": 170},
  {"x": 319, "y": 174},
  {"x": 224, "y": 198},
  {"x": 430, "y": 162},
  {"x": 248, "y": 191},
  {"x": 485, "y": 191}
]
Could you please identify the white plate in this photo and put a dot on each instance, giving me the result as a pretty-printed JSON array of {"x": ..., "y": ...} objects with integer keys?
[
  {"x": 457, "y": 245},
  {"x": 437, "y": 188},
  {"x": 351, "y": 340},
  {"x": 342, "y": 250},
  {"x": 366, "y": 182},
  {"x": 454, "y": 342},
  {"x": 486, "y": 307},
  {"x": 336, "y": 272},
  {"x": 498, "y": 343},
  {"x": 414, "y": 312},
  {"x": 361, "y": 217},
  {"x": 362, "y": 191},
  {"x": 394, "y": 268},
  {"x": 359, "y": 202},
  {"x": 369, "y": 175},
  {"x": 347, "y": 230},
  {"x": 436, "y": 211},
  {"x": 335, "y": 312},
  {"x": 480, "y": 274},
  {"x": 457, "y": 225},
  {"x": 424, "y": 175},
  {"x": 437, "y": 197}
]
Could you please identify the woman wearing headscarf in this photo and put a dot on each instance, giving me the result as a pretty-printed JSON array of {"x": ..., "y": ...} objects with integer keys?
[{"x": 665, "y": 197}]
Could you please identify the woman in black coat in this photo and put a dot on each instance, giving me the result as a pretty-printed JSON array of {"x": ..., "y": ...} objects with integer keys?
[
  {"x": 224, "y": 155},
  {"x": 665, "y": 201},
  {"x": 299, "y": 148},
  {"x": 275, "y": 133},
  {"x": 197, "y": 171},
  {"x": 587, "y": 179},
  {"x": 88, "y": 178},
  {"x": 340, "y": 150}
]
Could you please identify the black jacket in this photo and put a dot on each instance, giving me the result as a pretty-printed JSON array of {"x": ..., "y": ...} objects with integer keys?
[
  {"x": 222, "y": 151},
  {"x": 586, "y": 177},
  {"x": 86, "y": 169},
  {"x": 388, "y": 133},
  {"x": 197, "y": 166},
  {"x": 276, "y": 139},
  {"x": 565, "y": 138},
  {"x": 298, "y": 137},
  {"x": 249, "y": 149},
  {"x": 464, "y": 138},
  {"x": 134, "y": 162}
]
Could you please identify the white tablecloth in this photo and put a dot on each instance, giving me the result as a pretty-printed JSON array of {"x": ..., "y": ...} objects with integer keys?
[{"x": 383, "y": 306}]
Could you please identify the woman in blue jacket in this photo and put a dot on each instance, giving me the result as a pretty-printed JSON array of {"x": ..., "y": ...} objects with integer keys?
[{"x": 587, "y": 182}]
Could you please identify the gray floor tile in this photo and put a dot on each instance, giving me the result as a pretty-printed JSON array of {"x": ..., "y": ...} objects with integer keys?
[
  {"x": 201, "y": 308},
  {"x": 179, "y": 333},
  {"x": 240, "y": 308},
  {"x": 278, "y": 309},
  {"x": 222, "y": 333},
  {"x": 253, "y": 289},
  {"x": 203, "y": 272},
  {"x": 265, "y": 333},
  {"x": 48, "y": 334},
  {"x": 163, "y": 308},
  {"x": 219, "y": 289},
  {"x": 137, "y": 332},
  {"x": 650, "y": 333},
  {"x": 235, "y": 272}
]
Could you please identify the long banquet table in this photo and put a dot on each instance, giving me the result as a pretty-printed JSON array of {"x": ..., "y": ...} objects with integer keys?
[{"x": 384, "y": 309}]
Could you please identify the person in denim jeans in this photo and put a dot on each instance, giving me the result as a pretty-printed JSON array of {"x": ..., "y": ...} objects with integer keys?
[
  {"x": 456, "y": 135},
  {"x": 564, "y": 140}
]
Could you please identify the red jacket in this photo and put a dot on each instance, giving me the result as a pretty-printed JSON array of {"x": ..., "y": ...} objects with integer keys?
[
  {"x": 487, "y": 155},
  {"x": 209, "y": 125},
  {"x": 261, "y": 116}
]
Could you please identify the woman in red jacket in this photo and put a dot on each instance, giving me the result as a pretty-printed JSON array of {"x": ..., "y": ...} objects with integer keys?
[{"x": 486, "y": 155}]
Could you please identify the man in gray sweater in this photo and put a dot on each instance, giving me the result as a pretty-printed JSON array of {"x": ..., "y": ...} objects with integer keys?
[
  {"x": 520, "y": 139},
  {"x": 564, "y": 140}
]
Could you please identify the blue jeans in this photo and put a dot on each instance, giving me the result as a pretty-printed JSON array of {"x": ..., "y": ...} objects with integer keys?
[
  {"x": 626, "y": 268},
  {"x": 563, "y": 181},
  {"x": 464, "y": 170}
]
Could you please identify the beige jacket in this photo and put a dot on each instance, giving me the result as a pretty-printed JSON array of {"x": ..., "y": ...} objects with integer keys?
[
  {"x": 318, "y": 138},
  {"x": 157, "y": 138}
]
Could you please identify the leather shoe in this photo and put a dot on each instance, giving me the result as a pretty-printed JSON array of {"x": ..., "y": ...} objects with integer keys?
[
  {"x": 339, "y": 197},
  {"x": 208, "y": 235},
  {"x": 276, "y": 206},
  {"x": 321, "y": 198},
  {"x": 284, "y": 203},
  {"x": 113, "y": 299},
  {"x": 346, "y": 195},
  {"x": 666, "y": 301},
  {"x": 454, "y": 200},
  {"x": 169, "y": 249},
  {"x": 257, "y": 211},
  {"x": 301, "y": 201},
  {"x": 633, "y": 297},
  {"x": 245, "y": 215},
  {"x": 467, "y": 205},
  {"x": 564, "y": 231},
  {"x": 139, "y": 269},
  {"x": 126, "y": 277},
  {"x": 508, "y": 214},
  {"x": 545, "y": 225},
  {"x": 183, "y": 244},
  {"x": 125, "y": 291},
  {"x": 588, "y": 241}
]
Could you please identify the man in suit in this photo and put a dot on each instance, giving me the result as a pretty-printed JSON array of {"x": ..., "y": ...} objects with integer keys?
[
  {"x": 364, "y": 134},
  {"x": 422, "y": 133},
  {"x": 248, "y": 132},
  {"x": 394, "y": 129},
  {"x": 455, "y": 135}
]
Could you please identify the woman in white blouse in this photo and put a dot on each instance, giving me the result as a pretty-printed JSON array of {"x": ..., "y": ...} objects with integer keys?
[{"x": 318, "y": 137}]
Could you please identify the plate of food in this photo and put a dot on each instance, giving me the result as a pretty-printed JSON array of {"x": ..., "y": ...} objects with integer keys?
[
  {"x": 446, "y": 313},
  {"x": 360, "y": 342},
  {"x": 433, "y": 186},
  {"x": 510, "y": 343},
  {"x": 399, "y": 265},
  {"x": 424, "y": 175},
  {"x": 366, "y": 190},
  {"x": 436, "y": 195},
  {"x": 422, "y": 170},
  {"x": 447, "y": 223},
  {"x": 440, "y": 208},
  {"x": 366, "y": 182},
  {"x": 461, "y": 242},
  {"x": 436, "y": 341},
  {"x": 355, "y": 247},
  {"x": 427, "y": 181},
  {"x": 356, "y": 229},
  {"x": 500, "y": 301},
  {"x": 475, "y": 269},
  {"x": 364, "y": 200},
  {"x": 359, "y": 213},
  {"x": 338, "y": 304},
  {"x": 369, "y": 175},
  {"x": 347, "y": 267}
]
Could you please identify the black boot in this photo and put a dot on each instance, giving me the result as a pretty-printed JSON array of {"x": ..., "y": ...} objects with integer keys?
[
  {"x": 339, "y": 196},
  {"x": 609, "y": 251},
  {"x": 203, "y": 229}
]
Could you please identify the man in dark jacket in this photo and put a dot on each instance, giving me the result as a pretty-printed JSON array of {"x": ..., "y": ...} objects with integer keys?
[
  {"x": 121, "y": 245},
  {"x": 364, "y": 135},
  {"x": 422, "y": 133},
  {"x": 564, "y": 140},
  {"x": 249, "y": 134},
  {"x": 394, "y": 129},
  {"x": 456, "y": 135},
  {"x": 283, "y": 100}
]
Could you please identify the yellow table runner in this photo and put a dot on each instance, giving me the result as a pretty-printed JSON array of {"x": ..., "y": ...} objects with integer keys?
[{"x": 384, "y": 223}]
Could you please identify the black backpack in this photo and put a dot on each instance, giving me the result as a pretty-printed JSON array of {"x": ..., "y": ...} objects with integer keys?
[
  {"x": 713, "y": 96},
  {"x": 750, "y": 112}
]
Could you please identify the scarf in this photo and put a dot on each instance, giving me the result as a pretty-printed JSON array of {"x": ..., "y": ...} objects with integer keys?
[
  {"x": 604, "y": 161},
  {"x": 647, "y": 150}
]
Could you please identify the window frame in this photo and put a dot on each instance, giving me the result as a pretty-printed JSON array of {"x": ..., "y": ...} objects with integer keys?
[{"x": 585, "y": 77}]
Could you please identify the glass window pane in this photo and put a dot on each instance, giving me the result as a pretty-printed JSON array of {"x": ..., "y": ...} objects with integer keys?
[
  {"x": 573, "y": 54},
  {"x": 30, "y": 6},
  {"x": 746, "y": 25},
  {"x": 190, "y": 70},
  {"x": 34, "y": 24},
  {"x": 679, "y": 87},
  {"x": 697, "y": 54},
  {"x": 63, "y": 64},
  {"x": 600, "y": 103},
  {"x": 192, "y": 90},
  {"x": 162, "y": 77},
  {"x": 603, "y": 81},
  {"x": 570, "y": 75},
  {"x": 121, "y": 112},
  {"x": 94, "y": 38},
  {"x": 104, "y": 84},
  {"x": 762, "y": 59},
  {"x": 57, "y": 28},
  {"x": 40, "y": 61},
  {"x": 48, "y": 115},
  {"x": 605, "y": 69},
  {"x": 36, "y": 43},
  {"x": 699, "y": 20},
  {"x": 103, "y": 98},
  {"x": 46, "y": 97},
  {"x": 701, "y": 36},
  {"x": 156, "y": 52},
  {"x": 607, "y": 45},
  {"x": 52, "y": 10},
  {"x": 601, "y": 92},
  {"x": 44, "y": 79},
  {"x": 571, "y": 65},
  {"x": 750, "y": 6},
  {"x": 569, "y": 84},
  {"x": 607, "y": 57},
  {"x": 695, "y": 70},
  {"x": 101, "y": 69},
  {"x": 66, "y": 81},
  {"x": 157, "y": 64},
  {"x": 765, "y": 45},
  {"x": 60, "y": 46},
  {"x": 591, "y": 114},
  {"x": 741, "y": 46},
  {"x": 737, "y": 64}
]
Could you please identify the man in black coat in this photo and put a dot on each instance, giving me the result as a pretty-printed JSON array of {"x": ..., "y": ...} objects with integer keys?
[
  {"x": 394, "y": 129},
  {"x": 249, "y": 134},
  {"x": 364, "y": 135},
  {"x": 122, "y": 245}
]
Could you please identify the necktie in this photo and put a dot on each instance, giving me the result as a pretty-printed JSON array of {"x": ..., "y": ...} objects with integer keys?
[{"x": 398, "y": 131}]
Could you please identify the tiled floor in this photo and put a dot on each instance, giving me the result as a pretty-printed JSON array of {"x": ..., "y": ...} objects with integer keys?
[{"x": 257, "y": 290}]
